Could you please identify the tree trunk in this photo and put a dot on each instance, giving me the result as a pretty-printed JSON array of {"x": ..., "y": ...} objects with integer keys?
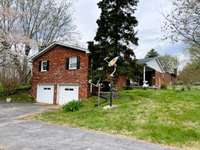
[
  {"x": 23, "y": 68},
  {"x": 6, "y": 49}
]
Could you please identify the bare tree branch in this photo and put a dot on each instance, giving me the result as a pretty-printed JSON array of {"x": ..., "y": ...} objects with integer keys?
[
  {"x": 183, "y": 22},
  {"x": 27, "y": 21}
]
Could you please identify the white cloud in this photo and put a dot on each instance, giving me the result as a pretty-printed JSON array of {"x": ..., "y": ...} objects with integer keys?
[
  {"x": 86, "y": 14},
  {"x": 150, "y": 17},
  {"x": 183, "y": 59}
]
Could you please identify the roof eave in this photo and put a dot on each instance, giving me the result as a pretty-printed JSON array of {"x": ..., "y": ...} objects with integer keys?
[{"x": 54, "y": 44}]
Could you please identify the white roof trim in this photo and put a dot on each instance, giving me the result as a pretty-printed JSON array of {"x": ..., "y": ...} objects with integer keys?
[
  {"x": 61, "y": 44},
  {"x": 159, "y": 63}
]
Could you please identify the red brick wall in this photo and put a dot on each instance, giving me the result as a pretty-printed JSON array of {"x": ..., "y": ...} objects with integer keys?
[
  {"x": 164, "y": 79},
  {"x": 57, "y": 73},
  {"x": 121, "y": 82}
]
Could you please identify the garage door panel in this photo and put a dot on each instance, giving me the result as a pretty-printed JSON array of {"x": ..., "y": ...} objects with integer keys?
[
  {"x": 45, "y": 94},
  {"x": 67, "y": 94}
]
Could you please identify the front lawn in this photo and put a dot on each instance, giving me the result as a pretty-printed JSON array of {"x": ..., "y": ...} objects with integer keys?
[{"x": 160, "y": 116}]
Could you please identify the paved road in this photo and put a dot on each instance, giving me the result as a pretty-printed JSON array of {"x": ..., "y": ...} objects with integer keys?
[{"x": 18, "y": 134}]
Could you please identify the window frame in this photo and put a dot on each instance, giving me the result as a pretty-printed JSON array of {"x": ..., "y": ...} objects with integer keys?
[
  {"x": 42, "y": 63},
  {"x": 69, "y": 66}
]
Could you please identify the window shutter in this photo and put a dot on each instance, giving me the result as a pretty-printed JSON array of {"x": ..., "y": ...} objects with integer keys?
[
  {"x": 47, "y": 65},
  {"x": 78, "y": 62},
  {"x": 40, "y": 63},
  {"x": 67, "y": 63}
]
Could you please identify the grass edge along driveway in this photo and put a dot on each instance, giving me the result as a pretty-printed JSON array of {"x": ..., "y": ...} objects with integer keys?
[{"x": 166, "y": 117}]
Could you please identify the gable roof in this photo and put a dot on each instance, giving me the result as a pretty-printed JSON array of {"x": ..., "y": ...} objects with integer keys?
[
  {"x": 162, "y": 65},
  {"x": 150, "y": 62},
  {"x": 59, "y": 44},
  {"x": 145, "y": 60},
  {"x": 168, "y": 68}
]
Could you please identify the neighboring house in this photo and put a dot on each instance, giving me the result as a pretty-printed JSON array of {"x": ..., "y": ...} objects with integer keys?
[
  {"x": 156, "y": 73},
  {"x": 60, "y": 74}
]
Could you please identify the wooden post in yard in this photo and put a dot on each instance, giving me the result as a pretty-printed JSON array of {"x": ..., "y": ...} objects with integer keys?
[{"x": 99, "y": 93}]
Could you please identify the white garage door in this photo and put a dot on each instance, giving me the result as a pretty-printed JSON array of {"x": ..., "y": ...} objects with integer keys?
[
  {"x": 67, "y": 94},
  {"x": 45, "y": 94}
]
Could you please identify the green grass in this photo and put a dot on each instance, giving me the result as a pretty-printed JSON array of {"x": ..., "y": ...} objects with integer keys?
[
  {"x": 20, "y": 96},
  {"x": 160, "y": 116}
]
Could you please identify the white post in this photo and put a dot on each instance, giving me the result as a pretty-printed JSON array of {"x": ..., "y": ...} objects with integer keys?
[{"x": 144, "y": 77}]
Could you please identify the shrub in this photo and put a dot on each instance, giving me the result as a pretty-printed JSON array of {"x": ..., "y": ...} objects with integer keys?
[
  {"x": 145, "y": 88},
  {"x": 128, "y": 88},
  {"x": 188, "y": 87},
  {"x": 182, "y": 89},
  {"x": 163, "y": 87},
  {"x": 22, "y": 97},
  {"x": 72, "y": 106},
  {"x": 23, "y": 87},
  {"x": 9, "y": 85}
]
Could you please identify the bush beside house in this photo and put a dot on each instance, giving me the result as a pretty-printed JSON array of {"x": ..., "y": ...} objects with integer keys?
[{"x": 19, "y": 94}]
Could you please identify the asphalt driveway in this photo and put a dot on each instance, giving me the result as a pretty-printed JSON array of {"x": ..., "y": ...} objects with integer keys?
[{"x": 18, "y": 134}]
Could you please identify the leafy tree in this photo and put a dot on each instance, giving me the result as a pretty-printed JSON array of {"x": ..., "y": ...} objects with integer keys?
[
  {"x": 152, "y": 53},
  {"x": 115, "y": 34}
]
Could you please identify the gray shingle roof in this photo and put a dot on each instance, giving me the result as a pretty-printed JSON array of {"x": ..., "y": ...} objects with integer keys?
[
  {"x": 168, "y": 68},
  {"x": 144, "y": 61}
]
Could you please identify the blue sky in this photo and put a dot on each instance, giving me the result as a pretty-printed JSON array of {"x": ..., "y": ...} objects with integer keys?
[{"x": 149, "y": 15}]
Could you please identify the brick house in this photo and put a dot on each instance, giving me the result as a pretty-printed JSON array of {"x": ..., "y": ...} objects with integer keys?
[
  {"x": 156, "y": 73},
  {"x": 121, "y": 82},
  {"x": 60, "y": 74}
]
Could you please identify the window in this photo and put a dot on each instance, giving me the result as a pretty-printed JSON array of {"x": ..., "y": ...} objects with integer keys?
[
  {"x": 68, "y": 89},
  {"x": 73, "y": 61},
  {"x": 44, "y": 66}
]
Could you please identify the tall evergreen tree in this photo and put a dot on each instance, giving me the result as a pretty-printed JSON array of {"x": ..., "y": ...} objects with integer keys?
[
  {"x": 152, "y": 53},
  {"x": 115, "y": 34}
]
